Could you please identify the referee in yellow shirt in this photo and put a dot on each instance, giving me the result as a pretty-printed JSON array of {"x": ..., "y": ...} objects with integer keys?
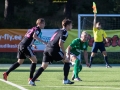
[{"x": 99, "y": 35}]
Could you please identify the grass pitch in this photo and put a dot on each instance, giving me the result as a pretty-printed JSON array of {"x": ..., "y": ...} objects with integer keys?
[{"x": 95, "y": 78}]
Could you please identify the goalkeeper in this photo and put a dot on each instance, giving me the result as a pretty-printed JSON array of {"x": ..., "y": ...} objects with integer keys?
[{"x": 73, "y": 51}]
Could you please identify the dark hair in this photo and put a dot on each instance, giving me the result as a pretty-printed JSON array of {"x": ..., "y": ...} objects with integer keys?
[
  {"x": 66, "y": 22},
  {"x": 40, "y": 20}
]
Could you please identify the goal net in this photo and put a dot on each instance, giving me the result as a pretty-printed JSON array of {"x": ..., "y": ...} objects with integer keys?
[{"x": 111, "y": 24}]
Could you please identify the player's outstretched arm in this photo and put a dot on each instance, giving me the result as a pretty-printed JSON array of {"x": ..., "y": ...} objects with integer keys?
[
  {"x": 94, "y": 22},
  {"x": 86, "y": 57},
  {"x": 37, "y": 38}
]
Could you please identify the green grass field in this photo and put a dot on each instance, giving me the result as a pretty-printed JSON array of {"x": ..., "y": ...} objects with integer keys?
[{"x": 95, "y": 78}]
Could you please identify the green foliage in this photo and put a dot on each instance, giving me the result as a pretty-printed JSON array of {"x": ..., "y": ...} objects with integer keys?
[{"x": 27, "y": 11}]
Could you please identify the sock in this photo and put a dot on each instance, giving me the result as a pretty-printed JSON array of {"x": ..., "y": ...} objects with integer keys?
[
  {"x": 32, "y": 70},
  {"x": 76, "y": 68},
  {"x": 38, "y": 73},
  {"x": 91, "y": 60},
  {"x": 66, "y": 69},
  {"x": 80, "y": 68},
  {"x": 13, "y": 67},
  {"x": 106, "y": 60}
]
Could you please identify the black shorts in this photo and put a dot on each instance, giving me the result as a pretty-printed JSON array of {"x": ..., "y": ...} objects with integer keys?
[
  {"x": 98, "y": 45},
  {"x": 51, "y": 54},
  {"x": 24, "y": 52}
]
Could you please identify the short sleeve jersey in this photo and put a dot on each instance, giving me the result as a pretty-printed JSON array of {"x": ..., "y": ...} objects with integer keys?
[
  {"x": 28, "y": 39},
  {"x": 77, "y": 45},
  {"x": 99, "y": 35},
  {"x": 54, "y": 41}
]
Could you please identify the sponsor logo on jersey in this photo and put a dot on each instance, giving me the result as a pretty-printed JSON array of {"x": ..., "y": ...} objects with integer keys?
[{"x": 84, "y": 46}]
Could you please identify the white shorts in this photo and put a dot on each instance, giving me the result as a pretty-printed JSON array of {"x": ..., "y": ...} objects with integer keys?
[{"x": 71, "y": 55}]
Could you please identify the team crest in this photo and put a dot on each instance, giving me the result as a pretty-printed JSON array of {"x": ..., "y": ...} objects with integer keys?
[
  {"x": 78, "y": 50},
  {"x": 84, "y": 46}
]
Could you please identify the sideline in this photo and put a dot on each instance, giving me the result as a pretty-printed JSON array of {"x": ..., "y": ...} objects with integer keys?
[{"x": 14, "y": 85}]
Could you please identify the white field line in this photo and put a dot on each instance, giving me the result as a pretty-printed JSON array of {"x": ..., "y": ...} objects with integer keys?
[
  {"x": 71, "y": 86},
  {"x": 14, "y": 85}
]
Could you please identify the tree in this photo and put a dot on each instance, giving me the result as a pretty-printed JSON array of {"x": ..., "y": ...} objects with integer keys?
[
  {"x": 9, "y": 9},
  {"x": 67, "y": 9}
]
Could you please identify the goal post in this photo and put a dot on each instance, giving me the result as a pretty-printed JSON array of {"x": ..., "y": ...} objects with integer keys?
[
  {"x": 92, "y": 15},
  {"x": 110, "y": 23}
]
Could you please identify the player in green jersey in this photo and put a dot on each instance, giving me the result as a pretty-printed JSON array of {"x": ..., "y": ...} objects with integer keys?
[{"x": 73, "y": 51}]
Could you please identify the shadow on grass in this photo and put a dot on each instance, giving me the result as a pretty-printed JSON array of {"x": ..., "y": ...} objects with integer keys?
[
  {"x": 27, "y": 70},
  {"x": 116, "y": 86},
  {"x": 105, "y": 81}
]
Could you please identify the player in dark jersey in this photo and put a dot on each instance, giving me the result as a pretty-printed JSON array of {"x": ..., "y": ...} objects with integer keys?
[
  {"x": 24, "y": 48},
  {"x": 55, "y": 51}
]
